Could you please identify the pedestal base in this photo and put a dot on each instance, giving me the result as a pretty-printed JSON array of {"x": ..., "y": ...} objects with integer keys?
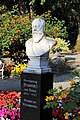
[
  {"x": 38, "y": 64},
  {"x": 34, "y": 88}
]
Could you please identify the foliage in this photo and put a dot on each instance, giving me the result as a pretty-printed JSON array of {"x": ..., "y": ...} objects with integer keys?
[
  {"x": 33, "y": 1},
  {"x": 75, "y": 73},
  {"x": 67, "y": 10},
  {"x": 62, "y": 45},
  {"x": 18, "y": 69},
  {"x": 10, "y": 105},
  {"x": 54, "y": 27},
  {"x": 15, "y": 30},
  {"x": 64, "y": 103},
  {"x": 8, "y": 68},
  {"x": 77, "y": 46},
  {"x": 14, "y": 70}
]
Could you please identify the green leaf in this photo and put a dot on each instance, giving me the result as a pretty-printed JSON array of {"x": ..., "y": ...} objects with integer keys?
[
  {"x": 69, "y": 106},
  {"x": 42, "y": 2}
]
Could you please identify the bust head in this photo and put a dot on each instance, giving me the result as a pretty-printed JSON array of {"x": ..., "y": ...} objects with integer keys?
[
  {"x": 38, "y": 25},
  {"x": 38, "y": 28}
]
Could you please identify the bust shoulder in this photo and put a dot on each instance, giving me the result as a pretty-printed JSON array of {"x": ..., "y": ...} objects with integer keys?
[
  {"x": 28, "y": 42},
  {"x": 51, "y": 41}
]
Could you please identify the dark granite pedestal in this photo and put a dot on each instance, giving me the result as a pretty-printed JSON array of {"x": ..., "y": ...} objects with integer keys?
[{"x": 34, "y": 88}]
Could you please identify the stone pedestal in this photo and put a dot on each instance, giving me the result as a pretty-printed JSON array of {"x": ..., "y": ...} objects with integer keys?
[
  {"x": 34, "y": 88},
  {"x": 38, "y": 64}
]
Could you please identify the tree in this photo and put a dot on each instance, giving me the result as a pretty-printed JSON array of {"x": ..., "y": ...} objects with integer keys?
[{"x": 68, "y": 10}]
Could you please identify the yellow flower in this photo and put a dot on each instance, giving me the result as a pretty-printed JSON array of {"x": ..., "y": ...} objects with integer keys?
[
  {"x": 79, "y": 112},
  {"x": 60, "y": 97},
  {"x": 52, "y": 97},
  {"x": 49, "y": 98},
  {"x": 72, "y": 82},
  {"x": 63, "y": 95},
  {"x": 12, "y": 71},
  {"x": 46, "y": 99},
  {"x": 17, "y": 70},
  {"x": 66, "y": 115}
]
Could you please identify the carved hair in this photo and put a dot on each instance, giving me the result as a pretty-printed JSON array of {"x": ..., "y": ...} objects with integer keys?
[{"x": 38, "y": 24}]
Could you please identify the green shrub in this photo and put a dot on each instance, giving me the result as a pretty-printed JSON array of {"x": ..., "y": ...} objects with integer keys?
[
  {"x": 61, "y": 45},
  {"x": 16, "y": 29},
  {"x": 54, "y": 27}
]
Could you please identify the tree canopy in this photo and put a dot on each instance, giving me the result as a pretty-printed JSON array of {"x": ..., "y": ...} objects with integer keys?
[{"x": 67, "y": 10}]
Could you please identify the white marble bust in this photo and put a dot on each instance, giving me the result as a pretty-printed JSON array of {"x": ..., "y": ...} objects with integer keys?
[
  {"x": 39, "y": 43},
  {"x": 38, "y": 47}
]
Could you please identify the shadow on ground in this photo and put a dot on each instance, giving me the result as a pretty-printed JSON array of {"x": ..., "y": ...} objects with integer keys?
[{"x": 10, "y": 84}]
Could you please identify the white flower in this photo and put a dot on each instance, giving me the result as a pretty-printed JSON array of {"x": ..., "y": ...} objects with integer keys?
[{"x": 1, "y": 118}]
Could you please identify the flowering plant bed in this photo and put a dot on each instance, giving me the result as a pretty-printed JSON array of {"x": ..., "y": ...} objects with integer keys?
[
  {"x": 14, "y": 70},
  {"x": 64, "y": 103},
  {"x": 9, "y": 105}
]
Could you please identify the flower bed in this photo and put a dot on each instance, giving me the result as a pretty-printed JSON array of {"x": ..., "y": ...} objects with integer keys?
[
  {"x": 64, "y": 103},
  {"x": 9, "y": 105},
  {"x": 14, "y": 70}
]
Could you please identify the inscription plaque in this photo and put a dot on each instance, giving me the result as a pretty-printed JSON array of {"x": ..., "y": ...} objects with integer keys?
[
  {"x": 30, "y": 88},
  {"x": 34, "y": 89}
]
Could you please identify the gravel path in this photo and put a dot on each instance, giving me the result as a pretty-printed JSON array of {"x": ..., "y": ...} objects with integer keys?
[
  {"x": 61, "y": 80},
  {"x": 10, "y": 84},
  {"x": 64, "y": 84}
]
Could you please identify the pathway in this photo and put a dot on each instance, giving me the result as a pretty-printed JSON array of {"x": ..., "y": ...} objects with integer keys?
[
  {"x": 10, "y": 84},
  {"x": 13, "y": 84}
]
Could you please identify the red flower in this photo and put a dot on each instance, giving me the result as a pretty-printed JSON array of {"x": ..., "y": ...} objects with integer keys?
[
  {"x": 4, "y": 102},
  {"x": 9, "y": 99},
  {"x": 57, "y": 112},
  {"x": 0, "y": 102}
]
